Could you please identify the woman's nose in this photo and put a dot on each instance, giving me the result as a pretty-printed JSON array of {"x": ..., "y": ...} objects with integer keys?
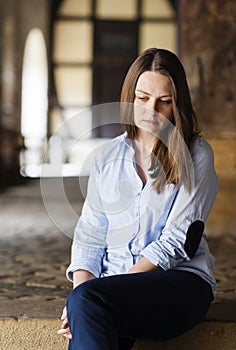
[{"x": 153, "y": 105}]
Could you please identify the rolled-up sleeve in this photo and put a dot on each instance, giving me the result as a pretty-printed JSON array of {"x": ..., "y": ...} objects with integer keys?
[
  {"x": 188, "y": 208},
  {"x": 89, "y": 240}
]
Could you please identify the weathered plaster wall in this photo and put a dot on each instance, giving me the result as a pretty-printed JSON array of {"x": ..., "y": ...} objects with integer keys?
[{"x": 208, "y": 50}]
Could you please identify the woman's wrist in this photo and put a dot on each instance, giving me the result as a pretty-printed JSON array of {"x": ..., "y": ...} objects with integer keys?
[
  {"x": 143, "y": 265},
  {"x": 80, "y": 276}
]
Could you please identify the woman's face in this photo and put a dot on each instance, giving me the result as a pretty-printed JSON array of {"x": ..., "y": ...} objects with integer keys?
[{"x": 152, "y": 102}]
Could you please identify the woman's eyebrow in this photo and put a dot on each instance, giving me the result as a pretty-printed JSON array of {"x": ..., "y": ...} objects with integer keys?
[
  {"x": 147, "y": 93},
  {"x": 144, "y": 92}
]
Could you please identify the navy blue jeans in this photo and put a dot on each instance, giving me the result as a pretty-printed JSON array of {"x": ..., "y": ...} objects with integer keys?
[{"x": 110, "y": 313}]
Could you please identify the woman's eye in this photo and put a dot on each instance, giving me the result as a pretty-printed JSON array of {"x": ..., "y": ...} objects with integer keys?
[
  {"x": 166, "y": 102},
  {"x": 141, "y": 98}
]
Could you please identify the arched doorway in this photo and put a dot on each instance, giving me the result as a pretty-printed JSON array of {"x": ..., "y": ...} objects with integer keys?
[{"x": 34, "y": 108}]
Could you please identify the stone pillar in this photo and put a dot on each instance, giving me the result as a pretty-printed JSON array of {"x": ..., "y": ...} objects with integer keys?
[
  {"x": 8, "y": 96},
  {"x": 17, "y": 18}
]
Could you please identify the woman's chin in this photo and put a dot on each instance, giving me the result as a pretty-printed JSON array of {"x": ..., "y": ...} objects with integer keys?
[{"x": 151, "y": 128}]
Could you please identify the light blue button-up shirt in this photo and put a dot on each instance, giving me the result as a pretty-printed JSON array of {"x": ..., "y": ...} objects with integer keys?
[{"x": 121, "y": 220}]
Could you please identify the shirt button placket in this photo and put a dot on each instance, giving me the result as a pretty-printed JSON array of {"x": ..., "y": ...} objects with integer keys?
[{"x": 137, "y": 213}]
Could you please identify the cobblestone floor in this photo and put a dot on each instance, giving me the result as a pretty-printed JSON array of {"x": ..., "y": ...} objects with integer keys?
[{"x": 34, "y": 254}]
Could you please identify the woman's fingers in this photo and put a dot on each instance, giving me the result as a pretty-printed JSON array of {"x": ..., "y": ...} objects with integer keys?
[
  {"x": 68, "y": 336},
  {"x": 65, "y": 332},
  {"x": 64, "y": 323}
]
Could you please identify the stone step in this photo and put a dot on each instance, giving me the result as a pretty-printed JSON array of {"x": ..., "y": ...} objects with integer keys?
[
  {"x": 33, "y": 325},
  {"x": 41, "y": 334}
]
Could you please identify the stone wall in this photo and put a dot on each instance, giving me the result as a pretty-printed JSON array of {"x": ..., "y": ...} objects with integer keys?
[{"x": 208, "y": 51}]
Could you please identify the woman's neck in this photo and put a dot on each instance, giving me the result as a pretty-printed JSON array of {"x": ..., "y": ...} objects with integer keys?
[
  {"x": 143, "y": 149},
  {"x": 144, "y": 142}
]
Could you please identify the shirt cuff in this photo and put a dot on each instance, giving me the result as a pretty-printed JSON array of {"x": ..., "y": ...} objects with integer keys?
[
  {"x": 85, "y": 258},
  {"x": 83, "y": 265},
  {"x": 156, "y": 256}
]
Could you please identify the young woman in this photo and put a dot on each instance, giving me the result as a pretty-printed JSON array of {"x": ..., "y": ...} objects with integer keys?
[{"x": 141, "y": 266}]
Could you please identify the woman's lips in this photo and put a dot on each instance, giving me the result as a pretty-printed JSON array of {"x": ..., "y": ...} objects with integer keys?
[{"x": 150, "y": 121}]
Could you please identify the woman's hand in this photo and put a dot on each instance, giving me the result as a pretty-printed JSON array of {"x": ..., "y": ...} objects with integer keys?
[
  {"x": 65, "y": 331},
  {"x": 143, "y": 265},
  {"x": 79, "y": 276}
]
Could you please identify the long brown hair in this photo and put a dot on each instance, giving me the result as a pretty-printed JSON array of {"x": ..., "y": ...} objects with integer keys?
[{"x": 173, "y": 153}]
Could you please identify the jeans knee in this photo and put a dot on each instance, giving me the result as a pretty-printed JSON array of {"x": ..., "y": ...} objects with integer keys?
[
  {"x": 76, "y": 296},
  {"x": 82, "y": 295}
]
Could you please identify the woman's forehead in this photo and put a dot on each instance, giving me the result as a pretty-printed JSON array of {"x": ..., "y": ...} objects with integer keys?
[{"x": 153, "y": 82}]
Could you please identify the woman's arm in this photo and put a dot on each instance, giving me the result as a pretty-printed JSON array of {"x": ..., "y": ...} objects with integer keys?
[
  {"x": 89, "y": 241},
  {"x": 80, "y": 276},
  {"x": 183, "y": 229},
  {"x": 88, "y": 244}
]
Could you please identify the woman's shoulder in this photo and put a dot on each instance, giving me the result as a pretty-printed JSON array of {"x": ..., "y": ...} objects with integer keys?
[
  {"x": 201, "y": 150},
  {"x": 109, "y": 148}
]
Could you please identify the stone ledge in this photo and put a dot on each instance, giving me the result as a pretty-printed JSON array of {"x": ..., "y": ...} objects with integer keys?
[
  {"x": 19, "y": 309},
  {"x": 27, "y": 324},
  {"x": 41, "y": 334},
  {"x": 31, "y": 309},
  {"x": 222, "y": 312}
]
